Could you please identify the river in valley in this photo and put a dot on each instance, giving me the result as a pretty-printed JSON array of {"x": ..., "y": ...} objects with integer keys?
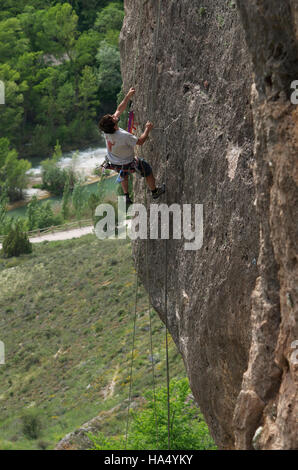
[{"x": 84, "y": 162}]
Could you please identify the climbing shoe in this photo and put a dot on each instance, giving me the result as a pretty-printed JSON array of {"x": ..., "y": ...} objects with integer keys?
[{"x": 158, "y": 191}]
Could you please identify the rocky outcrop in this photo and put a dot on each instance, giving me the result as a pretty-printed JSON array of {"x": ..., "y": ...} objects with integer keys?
[
  {"x": 230, "y": 304},
  {"x": 269, "y": 389},
  {"x": 80, "y": 438}
]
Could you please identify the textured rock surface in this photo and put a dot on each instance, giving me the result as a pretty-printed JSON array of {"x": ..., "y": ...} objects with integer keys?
[
  {"x": 271, "y": 378},
  {"x": 198, "y": 70},
  {"x": 232, "y": 318}
]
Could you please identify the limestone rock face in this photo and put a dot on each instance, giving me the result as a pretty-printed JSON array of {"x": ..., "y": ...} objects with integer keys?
[
  {"x": 230, "y": 304},
  {"x": 271, "y": 29},
  {"x": 192, "y": 73}
]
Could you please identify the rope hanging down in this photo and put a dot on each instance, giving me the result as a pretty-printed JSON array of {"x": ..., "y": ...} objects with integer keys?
[
  {"x": 166, "y": 313},
  {"x": 151, "y": 112},
  {"x": 132, "y": 353},
  {"x": 137, "y": 268},
  {"x": 130, "y": 129}
]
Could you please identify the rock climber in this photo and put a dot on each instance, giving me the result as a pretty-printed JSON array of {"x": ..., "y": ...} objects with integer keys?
[{"x": 120, "y": 150}]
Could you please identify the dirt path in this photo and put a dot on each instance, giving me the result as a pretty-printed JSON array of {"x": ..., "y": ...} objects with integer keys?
[{"x": 66, "y": 235}]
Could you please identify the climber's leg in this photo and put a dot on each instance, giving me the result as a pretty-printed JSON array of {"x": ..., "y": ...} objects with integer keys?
[
  {"x": 146, "y": 171},
  {"x": 124, "y": 183},
  {"x": 150, "y": 180}
]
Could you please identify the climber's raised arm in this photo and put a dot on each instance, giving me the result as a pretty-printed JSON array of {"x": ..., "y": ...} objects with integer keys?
[
  {"x": 124, "y": 103},
  {"x": 145, "y": 134}
]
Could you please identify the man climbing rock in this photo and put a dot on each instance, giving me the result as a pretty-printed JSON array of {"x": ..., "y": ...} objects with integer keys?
[{"x": 120, "y": 150}]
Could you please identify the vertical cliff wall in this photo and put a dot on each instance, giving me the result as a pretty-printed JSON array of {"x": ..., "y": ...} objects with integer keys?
[
  {"x": 193, "y": 73},
  {"x": 269, "y": 390}
]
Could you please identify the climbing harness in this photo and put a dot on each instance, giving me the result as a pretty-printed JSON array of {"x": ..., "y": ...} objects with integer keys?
[{"x": 122, "y": 169}]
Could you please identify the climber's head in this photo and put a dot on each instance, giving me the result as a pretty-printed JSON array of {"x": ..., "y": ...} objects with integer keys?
[{"x": 108, "y": 124}]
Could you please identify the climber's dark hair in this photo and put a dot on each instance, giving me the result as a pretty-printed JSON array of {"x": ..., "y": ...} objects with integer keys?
[{"x": 107, "y": 125}]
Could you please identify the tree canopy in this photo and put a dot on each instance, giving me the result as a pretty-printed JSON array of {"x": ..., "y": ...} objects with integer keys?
[{"x": 60, "y": 65}]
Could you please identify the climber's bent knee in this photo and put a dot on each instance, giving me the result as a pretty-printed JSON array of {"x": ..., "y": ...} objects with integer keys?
[{"x": 144, "y": 168}]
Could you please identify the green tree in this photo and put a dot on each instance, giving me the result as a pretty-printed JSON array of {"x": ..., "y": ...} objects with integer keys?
[
  {"x": 11, "y": 115},
  {"x": 53, "y": 177},
  {"x": 13, "y": 41},
  {"x": 87, "y": 10},
  {"x": 32, "y": 213},
  {"x": 93, "y": 202},
  {"x": 57, "y": 152},
  {"x": 78, "y": 199},
  {"x": 86, "y": 48},
  {"x": 41, "y": 215},
  {"x": 29, "y": 23},
  {"x": 59, "y": 30},
  {"x": 49, "y": 107},
  {"x": 5, "y": 221},
  {"x": 13, "y": 171},
  {"x": 54, "y": 64},
  {"x": 55, "y": 108},
  {"x": 149, "y": 427},
  {"x": 16, "y": 242},
  {"x": 66, "y": 198},
  {"x": 41, "y": 140},
  {"x": 28, "y": 66},
  {"x": 109, "y": 22},
  {"x": 188, "y": 429},
  {"x": 96, "y": 198},
  {"x": 46, "y": 216},
  {"x": 88, "y": 89},
  {"x": 109, "y": 74},
  {"x": 3, "y": 207}
]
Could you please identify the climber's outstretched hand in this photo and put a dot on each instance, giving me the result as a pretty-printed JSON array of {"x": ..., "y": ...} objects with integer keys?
[
  {"x": 124, "y": 103},
  {"x": 149, "y": 125},
  {"x": 131, "y": 92}
]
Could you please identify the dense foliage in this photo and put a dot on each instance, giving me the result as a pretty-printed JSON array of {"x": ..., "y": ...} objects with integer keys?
[
  {"x": 12, "y": 171},
  {"x": 41, "y": 216},
  {"x": 61, "y": 68},
  {"x": 149, "y": 426},
  {"x": 16, "y": 242},
  {"x": 77, "y": 203}
]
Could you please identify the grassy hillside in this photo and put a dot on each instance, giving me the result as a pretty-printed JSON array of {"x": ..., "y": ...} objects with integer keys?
[{"x": 66, "y": 318}]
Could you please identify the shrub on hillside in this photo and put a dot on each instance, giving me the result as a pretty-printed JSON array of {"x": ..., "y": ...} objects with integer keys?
[
  {"x": 41, "y": 215},
  {"x": 16, "y": 242},
  {"x": 149, "y": 426},
  {"x": 5, "y": 221},
  {"x": 32, "y": 423}
]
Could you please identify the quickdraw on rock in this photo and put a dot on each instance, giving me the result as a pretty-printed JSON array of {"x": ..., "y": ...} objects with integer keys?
[{"x": 131, "y": 119}]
